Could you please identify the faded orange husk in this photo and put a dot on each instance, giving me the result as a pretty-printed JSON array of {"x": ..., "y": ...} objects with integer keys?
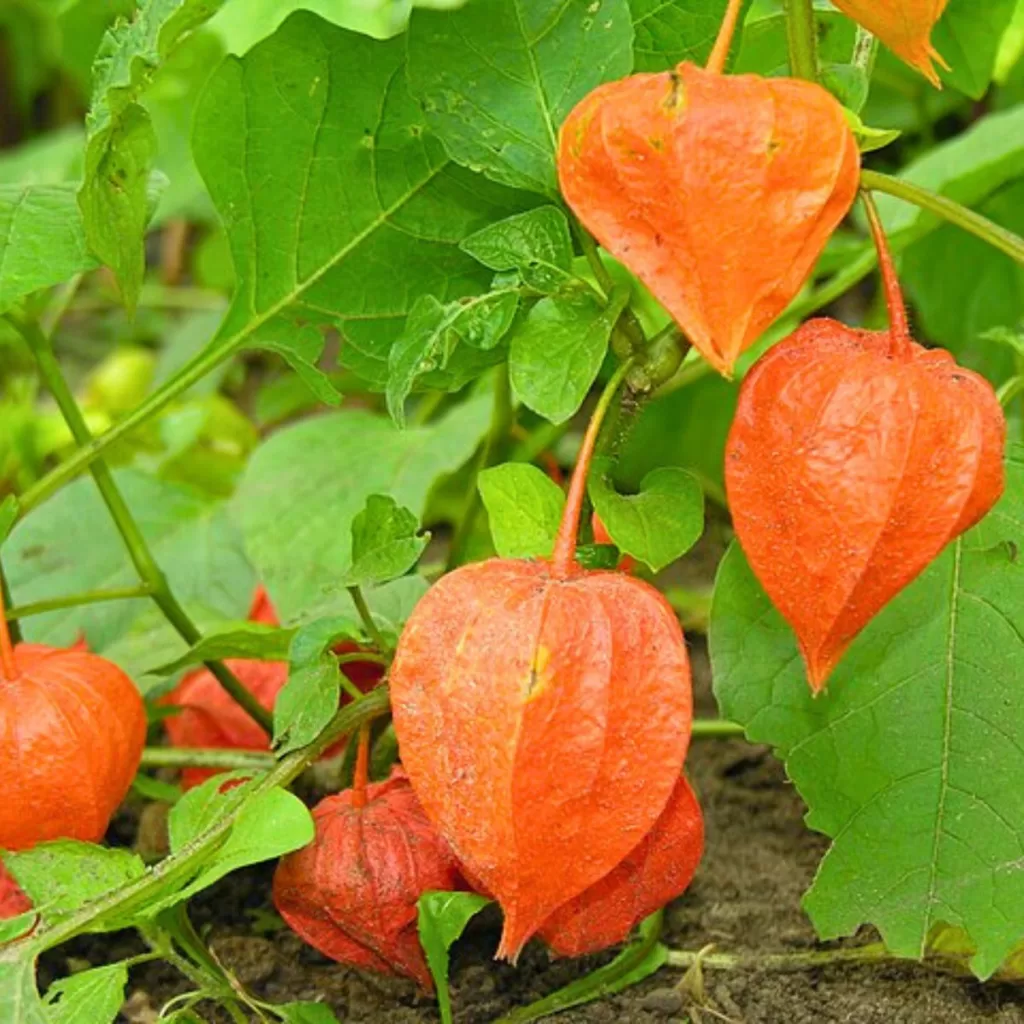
[
  {"x": 905, "y": 26},
  {"x": 718, "y": 192}
]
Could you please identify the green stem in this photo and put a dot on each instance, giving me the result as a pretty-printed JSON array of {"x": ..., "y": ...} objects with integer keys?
[
  {"x": 502, "y": 417},
  {"x": 11, "y": 621},
  {"x": 715, "y": 728},
  {"x": 369, "y": 622},
  {"x": 802, "y": 36},
  {"x": 870, "y": 954},
  {"x": 59, "y": 305},
  {"x": 138, "y": 550},
  {"x": 53, "y": 604},
  {"x": 176, "y": 869},
  {"x": 948, "y": 209},
  {"x": 1006, "y": 394},
  {"x": 185, "y": 757},
  {"x": 865, "y": 52}
]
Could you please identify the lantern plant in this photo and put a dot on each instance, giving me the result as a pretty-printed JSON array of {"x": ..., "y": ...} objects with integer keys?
[{"x": 427, "y": 433}]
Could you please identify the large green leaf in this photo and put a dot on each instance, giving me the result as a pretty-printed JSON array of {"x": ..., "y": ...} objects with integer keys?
[
  {"x": 42, "y": 240},
  {"x": 670, "y": 31},
  {"x": 339, "y": 205},
  {"x": 69, "y": 544},
  {"x": 19, "y": 999},
  {"x": 498, "y": 77},
  {"x": 89, "y": 997},
  {"x": 968, "y": 37},
  {"x": 306, "y": 484},
  {"x": 121, "y": 143},
  {"x": 911, "y": 761}
]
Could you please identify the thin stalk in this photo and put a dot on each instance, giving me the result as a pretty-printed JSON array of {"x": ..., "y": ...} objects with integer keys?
[
  {"x": 715, "y": 728},
  {"x": 720, "y": 53},
  {"x": 183, "y": 757},
  {"x": 348, "y": 686},
  {"x": 565, "y": 543},
  {"x": 982, "y": 227},
  {"x": 1010, "y": 390},
  {"x": 870, "y": 954},
  {"x": 899, "y": 325},
  {"x": 590, "y": 251},
  {"x": 177, "y": 868},
  {"x": 138, "y": 550},
  {"x": 59, "y": 306},
  {"x": 8, "y": 669},
  {"x": 802, "y": 37},
  {"x": 13, "y": 625},
  {"x": 53, "y": 604},
  {"x": 361, "y": 777},
  {"x": 369, "y": 622}
]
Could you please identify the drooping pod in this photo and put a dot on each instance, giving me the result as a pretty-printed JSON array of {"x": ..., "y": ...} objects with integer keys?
[
  {"x": 855, "y": 457},
  {"x": 718, "y": 192},
  {"x": 905, "y": 26},
  {"x": 543, "y": 714},
  {"x": 352, "y": 892},
  {"x": 656, "y": 872}
]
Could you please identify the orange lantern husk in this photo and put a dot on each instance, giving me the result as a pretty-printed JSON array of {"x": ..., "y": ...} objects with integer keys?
[
  {"x": 855, "y": 457},
  {"x": 718, "y": 192},
  {"x": 656, "y": 872},
  {"x": 905, "y": 26},
  {"x": 543, "y": 714}
]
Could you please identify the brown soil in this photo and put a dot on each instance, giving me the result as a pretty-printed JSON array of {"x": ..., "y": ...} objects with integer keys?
[{"x": 746, "y": 897}]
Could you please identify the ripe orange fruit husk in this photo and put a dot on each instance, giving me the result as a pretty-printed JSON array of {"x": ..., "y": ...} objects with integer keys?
[
  {"x": 855, "y": 457},
  {"x": 543, "y": 714},
  {"x": 905, "y": 26},
  {"x": 718, "y": 192},
  {"x": 73, "y": 727},
  {"x": 12, "y": 900},
  {"x": 352, "y": 892},
  {"x": 656, "y": 872},
  {"x": 211, "y": 718}
]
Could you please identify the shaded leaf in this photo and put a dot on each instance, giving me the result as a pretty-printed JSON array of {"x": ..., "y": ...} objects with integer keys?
[
  {"x": 968, "y": 37},
  {"x": 385, "y": 542},
  {"x": 301, "y": 347},
  {"x": 243, "y": 640},
  {"x": 19, "y": 999},
  {"x": 524, "y": 507},
  {"x": 89, "y": 997}
]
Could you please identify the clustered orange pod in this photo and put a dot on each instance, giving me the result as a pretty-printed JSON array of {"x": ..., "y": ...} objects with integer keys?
[
  {"x": 543, "y": 715},
  {"x": 855, "y": 457},
  {"x": 718, "y": 192},
  {"x": 352, "y": 892},
  {"x": 656, "y": 872},
  {"x": 905, "y": 26}
]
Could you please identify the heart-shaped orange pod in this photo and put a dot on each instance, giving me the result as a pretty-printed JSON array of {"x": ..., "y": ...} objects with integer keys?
[
  {"x": 855, "y": 457},
  {"x": 657, "y": 871},
  {"x": 718, "y": 192},
  {"x": 352, "y": 892},
  {"x": 905, "y": 26},
  {"x": 543, "y": 714},
  {"x": 72, "y": 729}
]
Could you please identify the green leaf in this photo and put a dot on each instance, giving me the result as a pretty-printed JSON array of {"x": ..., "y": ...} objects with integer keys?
[
  {"x": 765, "y": 51},
  {"x": 61, "y": 876},
  {"x": 121, "y": 143},
  {"x": 19, "y": 999},
  {"x": 557, "y": 351},
  {"x": 385, "y": 542},
  {"x": 870, "y": 139},
  {"x": 536, "y": 243},
  {"x": 301, "y": 347},
  {"x": 431, "y": 338},
  {"x": 89, "y": 997},
  {"x": 657, "y": 525},
  {"x": 911, "y": 760},
  {"x": 42, "y": 240},
  {"x": 306, "y": 1013},
  {"x": 305, "y": 485},
  {"x": 354, "y": 211},
  {"x": 671, "y": 31},
  {"x": 524, "y": 507},
  {"x": 968, "y": 37},
  {"x": 155, "y": 789},
  {"x": 69, "y": 544},
  {"x": 497, "y": 78},
  {"x": 443, "y": 917},
  {"x": 253, "y": 640}
]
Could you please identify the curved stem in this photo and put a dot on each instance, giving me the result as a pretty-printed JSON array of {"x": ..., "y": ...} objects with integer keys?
[
  {"x": 84, "y": 597},
  {"x": 720, "y": 52},
  {"x": 1013, "y": 388},
  {"x": 899, "y": 326},
  {"x": 138, "y": 549},
  {"x": 870, "y": 954},
  {"x": 369, "y": 622},
  {"x": 8, "y": 670},
  {"x": 199, "y": 757},
  {"x": 715, "y": 728},
  {"x": 982, "y": 227},
  {"x": 802, "y": 36},
  {"x": 565, "y": 543}
]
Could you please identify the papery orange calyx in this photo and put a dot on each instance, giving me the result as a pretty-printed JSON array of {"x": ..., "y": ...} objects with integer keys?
[
  {"x": 854, "y": 458},
  {"x": 905, "y": 26},
  {"x": 719, "y": 192}
]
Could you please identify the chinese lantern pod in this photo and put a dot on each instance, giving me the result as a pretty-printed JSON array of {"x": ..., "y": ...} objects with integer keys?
[
  {"x": 905, "y": 26},
  {"x": 73, "y": 727},
  {"x": 352, "y": 892},
  {"x": 543, "y": 721},
  {"x": 653, "y": 874},
  {"x": 12, "y": 900},
  {"x": 851, "y": 463},
  {"x": 718, "y": 192}
]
